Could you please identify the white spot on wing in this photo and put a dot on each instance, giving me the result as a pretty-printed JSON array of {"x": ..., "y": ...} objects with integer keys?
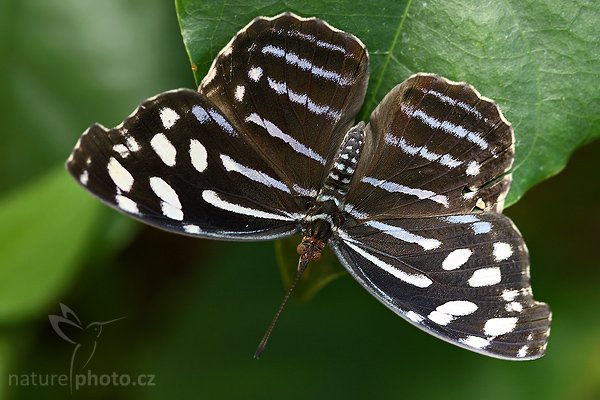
[
  {"x": 189, "y": 228},
  {"x": 477, "y": 226},
  {"x": 514, "y": 306},
  {"x": 303, "y": 99},
  {"x": 200, "y": 114},
  {"x": 447, "y": 312},
  {"x": 255, "y": 73},
  {"x": 304, "y": 64},
  {"x": 485, "y": 277},
  {"x": 171, "y": 212},
  {"x": 351, "y": 209},
  {"x": 458, "y": 307},
  {"x": 415, "y": 317},
  {"x": 84, "y": 178},
  {"x": 481, "y": 227},
  {"x": 456, "y": 259},
  {"x": 122, "y": 150},
  {"x": 203, "y": 116},
  {"x": 444, "y": 159},
  {"x": 198, "y": 155},
  {"x": 449, "y": 100},
  {"x": 418, "y": 280},
  {"x": 447, "y": 126},
  {"x": 475, "y": 342},
  {"x": 440, "y": 318},
  {"x": 305, "y": 192},
  {"x": 239, "y": 92},
  {"x": 274, "y": 131},
  {"x": 523, "y": 351},
  {"x": 164, "y": 191},
  {"x": 392, "y": 187},
  {"x": 510, "y": 295},
  {"x": 170, "y": 205},
  {"x": 222, "y": 122},
  {"x": 132, "y": 144},
  {"x": 499, "y": 326},
  {"x": 165, "y": 150},
  {"x": 319, "y": 43},
  {"x": 460, "y": 219},
  {"x": 404, "y": 235},
  {"x": 252, "y": 174},
  {"x": 213, "y": 198},
  {"x": 126, "y": 204},
  {"x": 120, "y": 176},
  {"x": 473, "y": 168},
  {"x": 469, "y": 195},
  {"x": 502, "y": 251},
  {"x": 278, "y": 87},
  {"x": 168, "y": 116}
]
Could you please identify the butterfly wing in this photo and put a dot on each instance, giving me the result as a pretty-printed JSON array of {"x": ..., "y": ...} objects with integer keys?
[
  {"x": 239, "y": 159},
  {"x": 297, "y": 84},
  {"x": 424, "y": 235},
  {"x": 462, "y": 278},
  {"x": 440, "y": 148},
  {"x": 177, "y": 163}
]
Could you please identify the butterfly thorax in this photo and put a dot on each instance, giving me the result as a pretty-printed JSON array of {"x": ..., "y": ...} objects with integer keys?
[{"x": 327, "y": 210}]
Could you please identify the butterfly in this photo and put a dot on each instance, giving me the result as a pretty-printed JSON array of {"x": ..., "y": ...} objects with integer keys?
[{"x": 268, "y": 147}]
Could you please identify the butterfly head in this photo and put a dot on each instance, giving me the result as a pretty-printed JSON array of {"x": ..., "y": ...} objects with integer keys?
[{"x": 310, "y": 248}]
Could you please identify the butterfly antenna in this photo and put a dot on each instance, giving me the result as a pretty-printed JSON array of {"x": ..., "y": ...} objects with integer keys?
[{"x": 302, "y": 264}]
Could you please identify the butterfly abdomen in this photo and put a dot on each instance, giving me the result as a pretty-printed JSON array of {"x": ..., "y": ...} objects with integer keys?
[{"x": 338, "y": 180}]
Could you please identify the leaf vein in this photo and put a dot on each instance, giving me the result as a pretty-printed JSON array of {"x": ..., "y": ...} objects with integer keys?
[{"x": 388, "y": 57}]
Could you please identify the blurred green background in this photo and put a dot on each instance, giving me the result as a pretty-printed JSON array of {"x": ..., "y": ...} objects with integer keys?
[{"x": 195, "y": 309}]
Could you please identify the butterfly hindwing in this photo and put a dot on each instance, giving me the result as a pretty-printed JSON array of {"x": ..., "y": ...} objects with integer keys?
[
  {"x": 424, "y": 236},
  {"x": 296, "y": 84},
  {"x": 441, "y": 149},
  {"x": 177, "y": 163},
  {"x": 463, "y": 278}
]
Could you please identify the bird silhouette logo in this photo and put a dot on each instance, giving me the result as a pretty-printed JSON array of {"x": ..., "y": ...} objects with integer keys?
[{"x": 85, "y": 338}]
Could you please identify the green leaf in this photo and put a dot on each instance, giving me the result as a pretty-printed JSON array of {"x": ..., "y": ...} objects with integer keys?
[
  {"x": 66, "y": 64},
  {"x": 317, "y": 275},
  {"x": 69, "y": 63},
  {"x": 45, "y": 232},
  {"x": 539, "y": 60}
]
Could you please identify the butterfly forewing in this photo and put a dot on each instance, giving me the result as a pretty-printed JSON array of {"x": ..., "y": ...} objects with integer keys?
[
  {"x": 441, "y": 149},
  {"x": 463, "y": 278},
  {"x": 178, "y": 163},
  {"x": 295, "y": 85}
]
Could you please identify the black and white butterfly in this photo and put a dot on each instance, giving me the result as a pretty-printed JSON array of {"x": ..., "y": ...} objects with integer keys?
[{"x": 267, "y": 148}]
